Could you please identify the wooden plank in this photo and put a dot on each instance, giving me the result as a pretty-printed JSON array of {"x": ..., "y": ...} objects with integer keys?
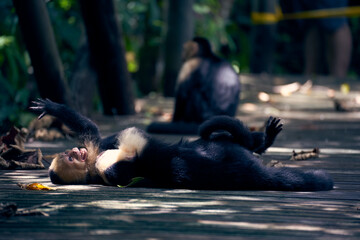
[{"x": 94, "y": 211}]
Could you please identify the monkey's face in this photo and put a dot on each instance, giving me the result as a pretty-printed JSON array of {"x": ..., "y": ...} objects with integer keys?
[
  {"x": 69, "y": 167},
  {"x": 190, "y": 50},
  {"x": 76, "y": 157}
]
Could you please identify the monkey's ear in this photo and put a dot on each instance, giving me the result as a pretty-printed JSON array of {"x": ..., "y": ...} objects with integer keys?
[{"x": 55, "y": 179}]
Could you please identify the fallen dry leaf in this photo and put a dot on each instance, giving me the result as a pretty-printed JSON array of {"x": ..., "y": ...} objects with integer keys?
[
  {"x": 303, "y": 155},
  {"x": 35, "y": 186}
]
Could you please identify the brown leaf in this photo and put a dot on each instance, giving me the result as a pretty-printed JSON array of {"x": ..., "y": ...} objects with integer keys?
[{"x": 303, "y": 155}]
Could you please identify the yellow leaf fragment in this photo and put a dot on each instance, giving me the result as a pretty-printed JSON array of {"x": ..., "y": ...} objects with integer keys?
[{"x": 35, "y": 186}]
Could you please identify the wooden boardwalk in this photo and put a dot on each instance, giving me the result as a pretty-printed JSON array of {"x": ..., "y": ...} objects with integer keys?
[{"x": 94, "y": 212}]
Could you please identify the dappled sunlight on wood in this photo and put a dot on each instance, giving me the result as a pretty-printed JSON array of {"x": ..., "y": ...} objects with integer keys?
[
  {"x": 266, "y": 208},
  {"x": 271, "y": 226},
  {"x": 140, "y": 204},
  {"x": 104, "y": 232},
  {"x": 239, "y": 198},
  {"x": 180, "y": 191},
  {"x": 264, "y": 97},
  {"x": 328, "y": 151},
  {"x": 77, "y": 188},
  {"x": 310, "y": 121},
  {"x": 288, "y": 89},
  {"x": 214, "y": 212}
]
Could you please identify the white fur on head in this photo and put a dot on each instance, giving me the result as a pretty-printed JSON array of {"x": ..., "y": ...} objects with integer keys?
[
  {"x": 188, "y": 68},
  {"x": 132, "y": 142},
  {"x": 69, "y": 173}
]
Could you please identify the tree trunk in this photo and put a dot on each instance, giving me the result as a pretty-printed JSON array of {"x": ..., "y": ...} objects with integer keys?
[
  {"x": 180, "y": 29},
  {"x": 226, "y": 8},
  {"x": 108, "y": 54},
  {"x": 40, "y": 42},
  {"x": 263, "y": 39},
  {"x": 83, "y": 80},
  {"x": 149, "y": 53}
]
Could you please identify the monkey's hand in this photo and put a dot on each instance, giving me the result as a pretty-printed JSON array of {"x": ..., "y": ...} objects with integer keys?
[
  {"x": 43, "y": 107},
  {"x": 82, "y": 126},
  {"x": 273, "y": 128}
]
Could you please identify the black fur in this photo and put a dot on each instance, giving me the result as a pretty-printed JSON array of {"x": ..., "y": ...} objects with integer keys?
[
  {"x": 222, "y": 159},
  {"x": 255, "y": 141},
  {"x": 55, "y": 178},
  {"x": 173, "y": 127},
  {"x": 84, "y": 128},
  {"x": 213, "y": 88},
  {"x": 221, "y": 162}
]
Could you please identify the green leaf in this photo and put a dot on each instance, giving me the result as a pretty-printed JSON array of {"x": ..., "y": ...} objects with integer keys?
[
  {"x": 65, "y": 4},
  {"x": 201, "y": 9},
  {"x": 6, "y": 41},
  {"x": 133, "y": 181}
]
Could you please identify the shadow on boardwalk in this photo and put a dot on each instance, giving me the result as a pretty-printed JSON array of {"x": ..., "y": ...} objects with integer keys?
[{"x": 91, "y": 212}]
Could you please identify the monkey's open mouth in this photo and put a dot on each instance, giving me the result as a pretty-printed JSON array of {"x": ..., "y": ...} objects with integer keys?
[
  {"x": 77, "y": 154},
  {"x": 83, "y": 154}
]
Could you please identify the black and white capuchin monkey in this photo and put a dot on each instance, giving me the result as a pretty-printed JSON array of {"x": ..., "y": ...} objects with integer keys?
[
  {"x": 207, "y": 86},
  {"x": 221, "y": 159}
]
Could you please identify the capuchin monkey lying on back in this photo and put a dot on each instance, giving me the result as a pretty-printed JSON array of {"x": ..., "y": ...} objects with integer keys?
[
  {"x": 207, "y": 86},
  {"x": 221, "y": 159}
]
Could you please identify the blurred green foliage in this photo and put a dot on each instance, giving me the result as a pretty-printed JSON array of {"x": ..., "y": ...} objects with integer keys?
[{"x": 14, "y": 66}]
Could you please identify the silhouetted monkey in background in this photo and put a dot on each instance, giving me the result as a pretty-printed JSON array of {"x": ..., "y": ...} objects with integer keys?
[{"x": 206, "y": 86}]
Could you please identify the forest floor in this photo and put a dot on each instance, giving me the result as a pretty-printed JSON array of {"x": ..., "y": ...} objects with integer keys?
[{"x": 310, "y": 121}]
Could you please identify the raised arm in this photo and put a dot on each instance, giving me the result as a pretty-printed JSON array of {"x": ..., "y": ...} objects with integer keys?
[
  {"x": 263, "y": 141},
  {"x": 82, "y": 126}
]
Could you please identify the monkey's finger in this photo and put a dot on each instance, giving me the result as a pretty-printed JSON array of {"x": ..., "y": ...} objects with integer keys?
[
  {"x": 279, "y": 128},
  {"x": 42, "y": 115},
  {"x": 270, "y": 119},
  {"x": 36, "y": 107},
  {"x": 275, "y": 121},
  {"x": 37, "y": 103}
]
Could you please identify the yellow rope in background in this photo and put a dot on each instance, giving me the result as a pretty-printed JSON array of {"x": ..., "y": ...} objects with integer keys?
[{"x": 271, "y": 18}]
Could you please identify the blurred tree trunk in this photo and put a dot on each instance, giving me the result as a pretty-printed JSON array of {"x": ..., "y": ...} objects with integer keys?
[
  {"x": 180, "y": 28},
  {"x": 108, "y": 54},
  {"x": 150, "y": 51},
  {"x": 226, "y": 7},
  {"x": 263, "y": 38},
  {"x": 40, "y": 42},
  {"x": 83, "y": 80}
]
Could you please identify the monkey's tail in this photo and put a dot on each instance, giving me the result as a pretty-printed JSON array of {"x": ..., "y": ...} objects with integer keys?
[
  {"x": 235, "y": 127},
  {"x": 173, "y": 128},
  {"x": 290, "y": 179},
  {"x": 223, "y": 123}
]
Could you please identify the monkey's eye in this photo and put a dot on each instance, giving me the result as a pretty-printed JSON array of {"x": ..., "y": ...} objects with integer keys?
[{"x": 70, "y": 159}]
